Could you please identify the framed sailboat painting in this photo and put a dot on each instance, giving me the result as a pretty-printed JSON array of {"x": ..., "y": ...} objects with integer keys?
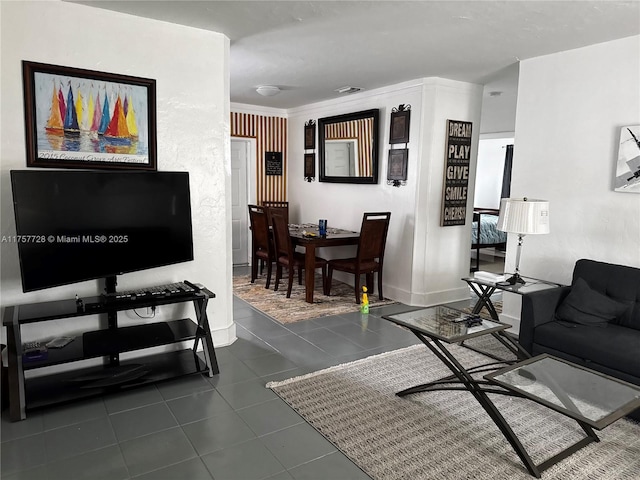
[{"x": 77, "y": 118}]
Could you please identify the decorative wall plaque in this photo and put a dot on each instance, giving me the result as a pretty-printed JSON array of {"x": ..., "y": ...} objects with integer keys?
[
  {"x": 273, "y": 163},
  {"x": 456, "y": 173}
]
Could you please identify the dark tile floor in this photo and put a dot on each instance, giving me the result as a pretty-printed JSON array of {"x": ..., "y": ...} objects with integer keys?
[{"x": 226, "y": 427}]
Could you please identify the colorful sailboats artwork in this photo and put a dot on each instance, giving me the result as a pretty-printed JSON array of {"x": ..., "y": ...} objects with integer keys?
[{"x": 84, "y": 116}]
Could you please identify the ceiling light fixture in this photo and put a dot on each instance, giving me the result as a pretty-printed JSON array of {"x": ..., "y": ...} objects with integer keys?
[
  {"x": 268, "y": 90},
  {"x": 348, "y": 89}
]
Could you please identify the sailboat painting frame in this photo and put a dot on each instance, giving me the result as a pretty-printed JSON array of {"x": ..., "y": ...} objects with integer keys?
[{"x": 77, "y": 118}]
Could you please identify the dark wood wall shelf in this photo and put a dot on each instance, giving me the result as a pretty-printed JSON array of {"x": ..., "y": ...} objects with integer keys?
[{"x": 36, "y": 391}]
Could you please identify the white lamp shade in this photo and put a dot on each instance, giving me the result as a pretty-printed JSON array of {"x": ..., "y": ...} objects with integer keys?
[{"x": 524, "y": 216}]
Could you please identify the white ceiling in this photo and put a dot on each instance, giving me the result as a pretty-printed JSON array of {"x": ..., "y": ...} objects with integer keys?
[{"x": 309, "y": 49}]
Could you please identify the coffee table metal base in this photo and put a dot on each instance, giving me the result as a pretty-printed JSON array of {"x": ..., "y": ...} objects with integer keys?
[{"x": 462, "y": 379}]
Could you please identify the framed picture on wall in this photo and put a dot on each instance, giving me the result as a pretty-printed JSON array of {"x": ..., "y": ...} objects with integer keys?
[
  {"x": 400, "y": 120},
  {"x": 627, "y": 176},
  {"x": 77, "y": 118},
  {"x": 273, "y": 164},
  {"x": 309, "y": 166},
  {"x": 397, "y": 166},
  {"x": 310, "y": 135}
]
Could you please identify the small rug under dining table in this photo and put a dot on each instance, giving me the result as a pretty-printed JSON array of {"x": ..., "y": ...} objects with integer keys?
[
  {"x": 294, "y": 309},
  {"x": 445, "y": 434}
]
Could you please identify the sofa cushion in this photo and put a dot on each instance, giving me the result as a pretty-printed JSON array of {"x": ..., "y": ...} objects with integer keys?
[
  {"x": 615, "y": 347},
  {"x": 586, "y": 306},
  {"x": 620, "y": 282}
]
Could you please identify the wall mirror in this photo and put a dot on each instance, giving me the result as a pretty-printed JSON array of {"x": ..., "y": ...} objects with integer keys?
[{"x": 349, "y": 147}]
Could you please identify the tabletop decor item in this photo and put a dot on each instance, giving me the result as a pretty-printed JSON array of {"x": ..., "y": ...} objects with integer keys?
[{"x": 76, "y": 118}]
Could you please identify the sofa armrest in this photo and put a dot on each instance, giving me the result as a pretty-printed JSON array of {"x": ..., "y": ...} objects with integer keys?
[{"x": 538, "y": 308}]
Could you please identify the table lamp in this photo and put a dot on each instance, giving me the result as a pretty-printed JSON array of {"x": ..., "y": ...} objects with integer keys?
[{"x": 524, "y": 216}]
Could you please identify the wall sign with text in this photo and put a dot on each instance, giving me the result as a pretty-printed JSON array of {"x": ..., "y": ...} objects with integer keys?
[
  {"x": 456, "y": 173},
  {"x": 273, "y": 163}
]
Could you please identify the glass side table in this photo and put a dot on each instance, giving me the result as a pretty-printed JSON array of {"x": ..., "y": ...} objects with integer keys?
[{"x": 484, "y": 288}]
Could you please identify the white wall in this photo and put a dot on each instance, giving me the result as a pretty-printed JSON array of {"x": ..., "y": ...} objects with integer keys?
[
  {"x": 343, "y": 204},
  {"x": 442, "y": 254},
  {"x": 191, "y": 68},
  {"x": 410, "y": 275},
  {"x": 571, "y": 106}
]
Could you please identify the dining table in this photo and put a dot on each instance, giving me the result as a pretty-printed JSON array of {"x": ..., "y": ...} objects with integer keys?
[{"x": 307, "y": 235}]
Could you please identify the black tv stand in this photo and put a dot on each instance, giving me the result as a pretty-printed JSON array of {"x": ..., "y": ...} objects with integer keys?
[
  {"x": 115, "y": 376},
  {"x": 108, "y": 343}
]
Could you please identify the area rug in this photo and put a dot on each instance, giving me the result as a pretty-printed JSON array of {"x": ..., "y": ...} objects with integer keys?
[
  {"x": 445, "y": 435},
  {"x": 295, "y": 309}
]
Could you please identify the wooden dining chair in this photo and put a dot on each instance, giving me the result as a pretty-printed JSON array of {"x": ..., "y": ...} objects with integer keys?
[
  {"x": 261, "y": 245},
  {"x": 273, "y": 206},
  {"x": 288, "y": 258},
  {"x": 370, "y": 255}
]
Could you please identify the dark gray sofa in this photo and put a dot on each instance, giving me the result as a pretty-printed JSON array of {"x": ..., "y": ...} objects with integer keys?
[{"x": 609, "y": 340}]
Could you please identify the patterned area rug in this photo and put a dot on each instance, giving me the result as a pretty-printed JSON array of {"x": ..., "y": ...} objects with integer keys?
[
  {"x": 445, "y": 435},
  {"x": 294, "y": 309}
]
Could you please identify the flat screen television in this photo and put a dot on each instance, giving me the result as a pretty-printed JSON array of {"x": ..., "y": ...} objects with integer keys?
[{"x": 78, "y": 225}]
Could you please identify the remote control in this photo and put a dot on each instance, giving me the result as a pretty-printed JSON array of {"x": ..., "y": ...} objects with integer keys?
[{"x": 59, "y": 342}]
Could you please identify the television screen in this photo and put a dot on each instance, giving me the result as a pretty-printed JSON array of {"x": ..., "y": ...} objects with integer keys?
[{"x": 73, "y": 226}]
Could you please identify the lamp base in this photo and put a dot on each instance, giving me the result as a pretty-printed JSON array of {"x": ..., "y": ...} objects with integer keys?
[{"x": 515, "y": 279}]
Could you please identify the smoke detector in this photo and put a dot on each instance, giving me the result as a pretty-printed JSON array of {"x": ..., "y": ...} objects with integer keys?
[{"x": 347, "y": 89}]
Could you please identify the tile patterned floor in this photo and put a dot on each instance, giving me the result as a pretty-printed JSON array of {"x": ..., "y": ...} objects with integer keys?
[{"x": 226, "y": 427}]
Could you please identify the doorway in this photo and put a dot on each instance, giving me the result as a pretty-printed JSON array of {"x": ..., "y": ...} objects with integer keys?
[
  {"x": 493, "y": 178},
  {"x": 241, "y": 150}
]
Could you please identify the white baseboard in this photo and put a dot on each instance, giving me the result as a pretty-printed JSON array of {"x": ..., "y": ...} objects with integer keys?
[
  {"x": 223, "y": 337},
  {"x": 513, "y": 321},
  {"x": 428, "y": 298}
]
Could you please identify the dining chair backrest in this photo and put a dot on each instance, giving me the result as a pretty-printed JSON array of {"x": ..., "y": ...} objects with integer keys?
[
  {"x": 259, "y": 221},
  {"x": 373, "y": 236},
  {"x": 281, "y": 236},
  {"x": 274, "y": 203},
  {"x": 277, "y": 207}
]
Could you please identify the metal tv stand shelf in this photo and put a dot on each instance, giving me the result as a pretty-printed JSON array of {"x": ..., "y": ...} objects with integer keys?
[{"x": 42, "y": 390}]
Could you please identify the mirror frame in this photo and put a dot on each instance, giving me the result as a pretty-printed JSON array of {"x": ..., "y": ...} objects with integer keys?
[{"x": 322, "y": 122}]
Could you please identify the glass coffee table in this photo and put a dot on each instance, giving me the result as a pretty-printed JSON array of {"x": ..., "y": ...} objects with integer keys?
[
  {"x": 575, "y": 391},
  {"x": 592, "y": 399}
]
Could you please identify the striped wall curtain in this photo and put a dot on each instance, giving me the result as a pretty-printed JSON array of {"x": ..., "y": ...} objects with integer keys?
[
  {"x": 362, "y": 131},
  {"x": 271, "y": 136}
]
